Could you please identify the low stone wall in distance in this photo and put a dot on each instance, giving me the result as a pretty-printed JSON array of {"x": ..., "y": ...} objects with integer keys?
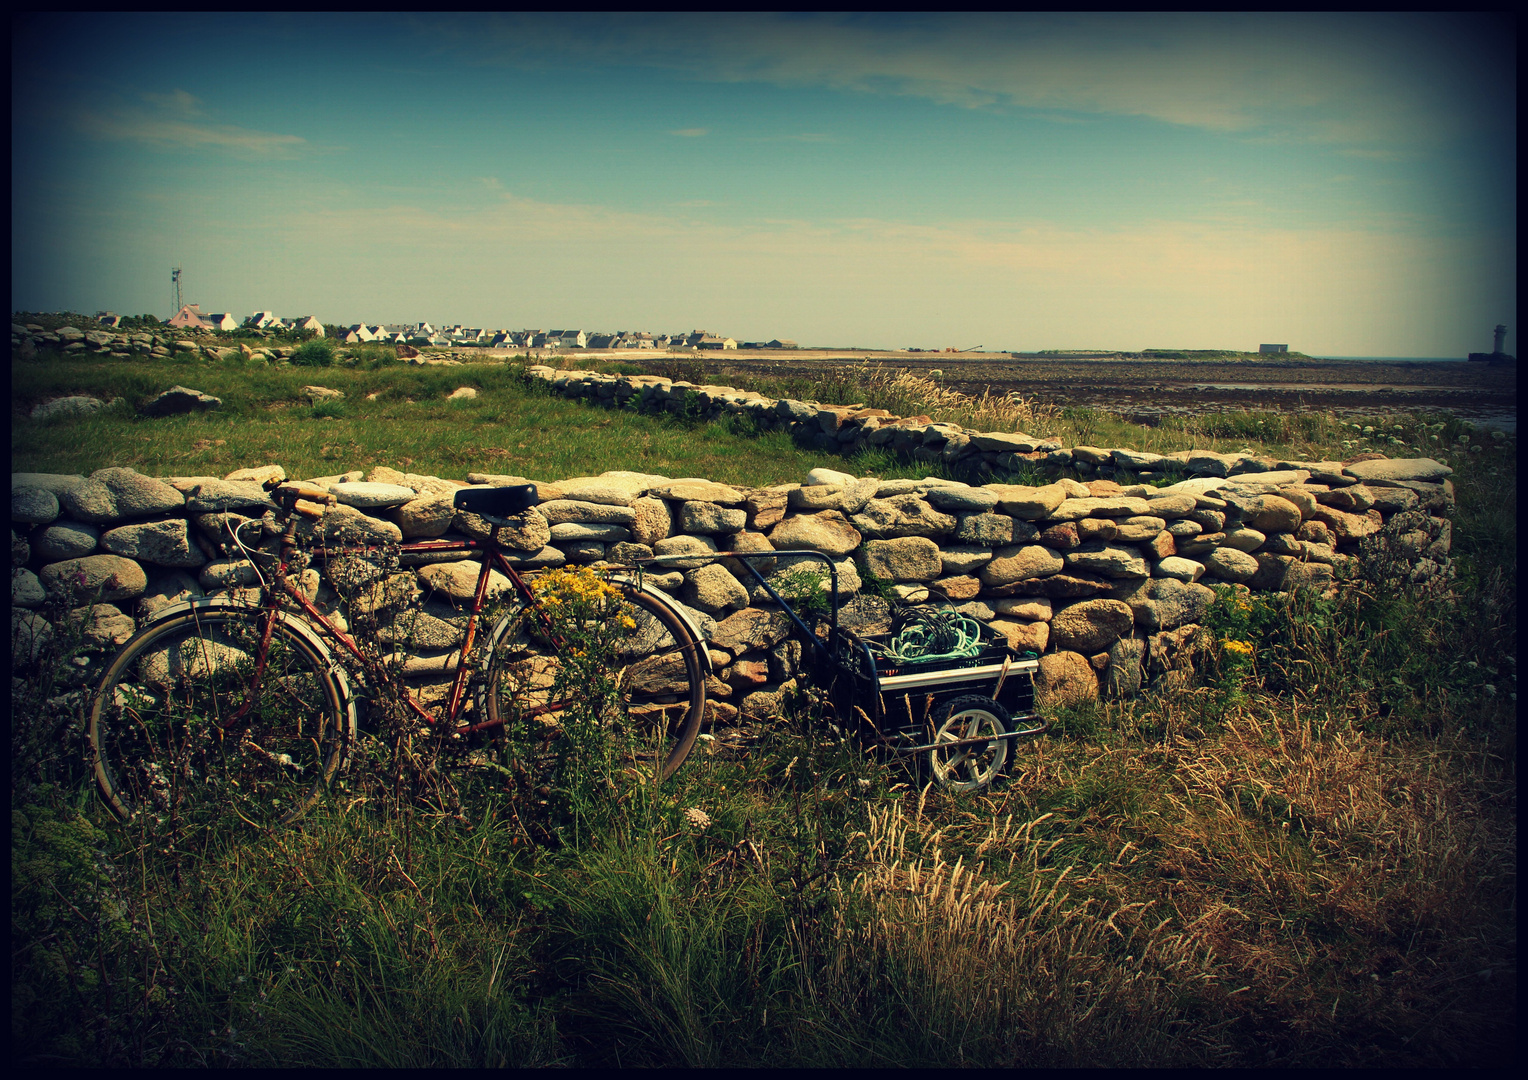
[{"x": 1109, "y": 583}]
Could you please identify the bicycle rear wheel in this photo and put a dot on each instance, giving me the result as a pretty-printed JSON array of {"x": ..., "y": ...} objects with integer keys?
[
  {"x": 660, "y": 681},
  {"x": 179, "y": 730}
]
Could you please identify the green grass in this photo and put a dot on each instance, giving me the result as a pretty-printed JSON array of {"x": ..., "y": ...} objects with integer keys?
[{"x": 1308, "y": 861}]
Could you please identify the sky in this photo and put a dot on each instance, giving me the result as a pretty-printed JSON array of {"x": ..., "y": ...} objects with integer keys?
[{"x": 1345, "y": 184}]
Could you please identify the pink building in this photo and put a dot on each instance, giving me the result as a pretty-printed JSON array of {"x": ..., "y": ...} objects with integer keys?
[{"x": 191, "y": 316}]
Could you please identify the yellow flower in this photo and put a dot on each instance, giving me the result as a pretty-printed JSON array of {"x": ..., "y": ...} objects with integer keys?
[{"x": 1241, "y": 648}]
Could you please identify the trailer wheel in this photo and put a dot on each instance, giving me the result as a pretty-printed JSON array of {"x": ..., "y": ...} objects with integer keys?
[{"x": 972, "y": 767}]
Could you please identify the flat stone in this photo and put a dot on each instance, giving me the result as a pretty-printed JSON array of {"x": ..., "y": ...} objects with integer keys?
[
  {"x": 577, "y": 530},
  {"x": 826, "y": 532},
  {"x": 364, "y": 496},
  {"x": 1175, "y": 566},
  {"x": 766, "y": 506},
  {"x": 1166, "y": 603},
  {"x": 1231, "y": 565},
  {"x": 33, "y": 505},
  {"x": 426, "y": 517},
  {"x": 962, "y": 499},
  {"x": 1013, "y": 564},
  {"x": 210, "y": 494},
  {"x": 702, "y": 547},
  {"x": 1029, "y": 503},
  {"x": 816, "y": 497},
  {"x": 1090, "y": 625},
  {"x": 1064, "y": 678},
  {"x": 1170, "y": 507},
  {"x": 583, "y": 551},
  {"x": 963, "y": 559},
  {"x": 1061, "y": 586},
  {"x": 26, "y": 589},
  {"x": 112, "y": 495},
  {"x": 65, "y": 540},
  {"x": 1117, "y": 506},
  {"x": 458, "y": 580},
  {"x": 1354, "y": 499},
  {"x": 749, "y": 542},
  {"x": 1136, "y": 530},
  {"x": 111, "y": 576},
  {"x": 347, "y": 525},
  {"x": 751, "y": 629},
  {"x": 1346, "y": 526},
  {"x": 1028, "y": 608},
  {"x": 525, "y": 531},
  {"x": 711, "y": 519},
  {"x": 699, "y": 491},
  {"x": 259, "y": 474},
  {"x": 818, "y": 477},
  {"x": 714, "y": 590},
  {"x": 651, "y": 520},
  {"x": 57, "y": 483},
  {"x": 1419, "y": 469},
  {"x": 1137, "y": 460},
  {"x": 227, "y": 574},
  {"x": 1108, "y": 560},
  {"x": 170, "y": 588},
  {"x": 963, "y": 587},
  {"x": 558, "y": 511},
  {"x": 1242, "y": 538},
  {"x": 907, "y": 558},
  {"x": 163, "y": 543}
]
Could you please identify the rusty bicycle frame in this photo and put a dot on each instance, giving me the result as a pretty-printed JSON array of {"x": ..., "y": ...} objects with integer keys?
[{"x": 310, "y": 503}]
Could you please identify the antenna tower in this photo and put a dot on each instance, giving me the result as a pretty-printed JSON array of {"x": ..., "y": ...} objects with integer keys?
[{"x": 175, "y": 285}]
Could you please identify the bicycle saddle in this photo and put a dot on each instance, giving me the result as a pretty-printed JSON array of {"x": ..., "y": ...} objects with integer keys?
[{"x": 495, "y": 503}]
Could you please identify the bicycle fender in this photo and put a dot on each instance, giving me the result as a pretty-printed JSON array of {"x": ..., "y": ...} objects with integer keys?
[
  {"x": 679, "y": 612},
  {"x": 291, "y": 622}
]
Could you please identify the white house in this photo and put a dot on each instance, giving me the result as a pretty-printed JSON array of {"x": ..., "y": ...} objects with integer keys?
[
  {"x": 308, "y": 322},
  {"x": 260, "y": 320},
  {"x": 358, "y": 333}
]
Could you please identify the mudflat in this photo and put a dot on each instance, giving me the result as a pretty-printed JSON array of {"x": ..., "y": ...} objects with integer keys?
[{"x": 1147, "y": 389}]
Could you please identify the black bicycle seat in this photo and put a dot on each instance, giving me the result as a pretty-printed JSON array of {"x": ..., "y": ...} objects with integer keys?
[{"x": 496, "y": 502}]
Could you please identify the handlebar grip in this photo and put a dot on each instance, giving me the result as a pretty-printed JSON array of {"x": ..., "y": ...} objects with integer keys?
[{"x": 293, "y": 492}]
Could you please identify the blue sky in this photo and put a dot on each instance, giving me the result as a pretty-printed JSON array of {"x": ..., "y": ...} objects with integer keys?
[{"x": 1346, "y": 184}]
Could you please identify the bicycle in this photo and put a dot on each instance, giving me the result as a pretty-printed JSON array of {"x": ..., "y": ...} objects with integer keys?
[{"x": 225, "y": 705}]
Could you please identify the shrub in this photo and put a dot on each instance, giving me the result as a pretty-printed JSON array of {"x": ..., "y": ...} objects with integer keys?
[{"x": 315, "y": 353}]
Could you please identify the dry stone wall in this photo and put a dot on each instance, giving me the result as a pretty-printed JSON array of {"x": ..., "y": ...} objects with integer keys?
[{"x": 1108, "y": 582}]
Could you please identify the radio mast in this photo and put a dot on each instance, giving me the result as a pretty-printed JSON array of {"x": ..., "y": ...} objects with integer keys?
[{"x": 175, "y": 286}]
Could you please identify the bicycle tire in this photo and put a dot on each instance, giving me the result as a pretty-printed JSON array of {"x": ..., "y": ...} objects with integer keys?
[
  {"x": 970, "y": 768},
  {"x": 156, "y": 728},
  {"x": 661, "y": 682}
]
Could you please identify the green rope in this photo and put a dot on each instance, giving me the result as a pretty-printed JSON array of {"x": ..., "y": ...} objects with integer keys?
[{"x": 931, "y": 636}]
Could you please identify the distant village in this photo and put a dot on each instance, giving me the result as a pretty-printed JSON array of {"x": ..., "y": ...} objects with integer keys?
[{"x": 191, "y": 317}]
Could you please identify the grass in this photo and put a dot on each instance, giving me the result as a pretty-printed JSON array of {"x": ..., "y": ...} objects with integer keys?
[{"x": 1305, "y": 861}]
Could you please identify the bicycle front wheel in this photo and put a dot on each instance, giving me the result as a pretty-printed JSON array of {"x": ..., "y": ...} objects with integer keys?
[
  {"x": 659, "y": 677},
  {"x": 188, "y": 725}
]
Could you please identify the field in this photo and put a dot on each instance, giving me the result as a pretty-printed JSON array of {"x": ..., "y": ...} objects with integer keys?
[{"x": 1305, "y": 860}]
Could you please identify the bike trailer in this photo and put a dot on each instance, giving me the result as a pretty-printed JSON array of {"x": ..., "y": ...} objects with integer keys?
[{"x": 900, "y": 679}]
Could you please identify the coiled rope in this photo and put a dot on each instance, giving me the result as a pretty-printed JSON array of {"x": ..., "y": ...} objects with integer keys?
[{"x": 932, "y": 635}]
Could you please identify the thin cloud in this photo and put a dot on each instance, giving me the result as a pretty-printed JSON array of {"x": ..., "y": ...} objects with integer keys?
[
  {"x": 691, "y": 133},
  {"x": 177, "y": 121},
  {"x": 1382, "y": 81}
]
